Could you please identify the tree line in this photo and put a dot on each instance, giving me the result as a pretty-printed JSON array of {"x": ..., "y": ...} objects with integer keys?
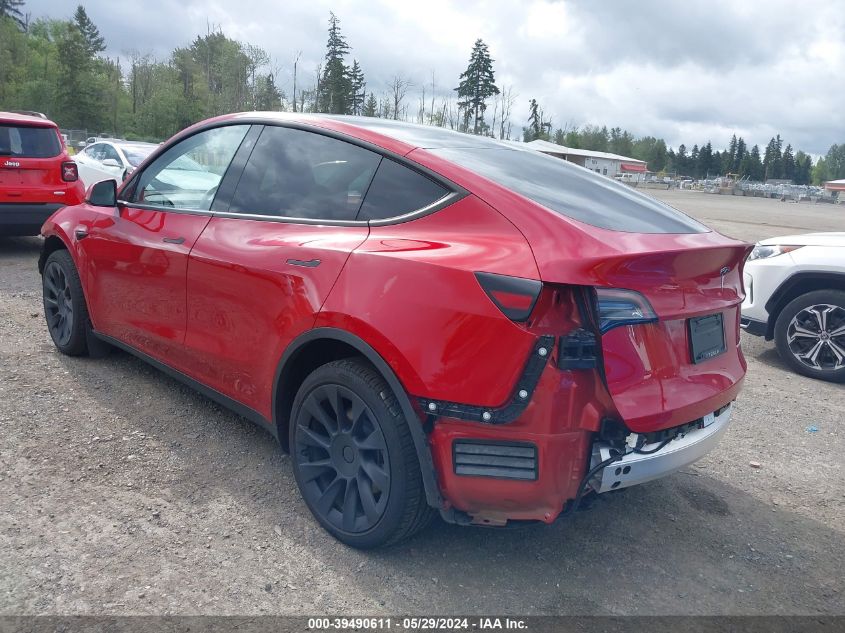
[{"x": 58, "y": 67}]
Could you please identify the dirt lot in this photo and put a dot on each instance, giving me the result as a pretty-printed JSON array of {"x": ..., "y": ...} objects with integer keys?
[{"x": 123, "y": 492}]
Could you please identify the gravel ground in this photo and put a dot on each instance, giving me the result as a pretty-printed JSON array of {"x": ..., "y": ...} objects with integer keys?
[{"x": 124, "y": 492}]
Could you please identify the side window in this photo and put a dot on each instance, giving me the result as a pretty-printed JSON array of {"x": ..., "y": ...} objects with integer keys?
[
  {"x": 397, "y": 190},
  {"x": 298, "y": 174},
  {"x": 95, "y": 151},
  {"x": 186, "y": 176},
  {"x": 110, "y": 152}
]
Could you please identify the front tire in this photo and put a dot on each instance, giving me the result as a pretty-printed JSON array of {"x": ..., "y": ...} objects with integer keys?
[
  {"x": 354, "y": 458},
  {"x": 64, "y": 304},
  {"x": 810, "y": 335}
]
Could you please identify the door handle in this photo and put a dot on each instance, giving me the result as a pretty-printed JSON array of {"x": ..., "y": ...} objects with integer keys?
[
  {"x": 307, "y": 263},
  {"x": 174, "y": 240},
  {"x": 80, "y": 234}
]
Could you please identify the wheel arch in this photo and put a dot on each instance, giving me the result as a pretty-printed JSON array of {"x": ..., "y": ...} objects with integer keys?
[
  {"x": 51, "y": 244},
  {"x": 795, "y": 286},
  {"x": 325, "y": 344}
]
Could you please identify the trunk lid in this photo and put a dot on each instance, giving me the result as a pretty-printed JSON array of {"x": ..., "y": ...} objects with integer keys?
[{"x": 651, "y": 370}]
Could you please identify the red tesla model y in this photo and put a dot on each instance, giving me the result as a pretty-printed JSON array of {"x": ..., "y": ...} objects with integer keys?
[{"x": 427, "y": 321}]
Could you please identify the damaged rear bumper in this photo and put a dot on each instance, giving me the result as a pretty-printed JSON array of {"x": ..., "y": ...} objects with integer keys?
[{"x": 637, "y": 468}]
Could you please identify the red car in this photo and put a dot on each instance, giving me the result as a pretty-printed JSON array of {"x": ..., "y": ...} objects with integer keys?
[
  {"x": 37, "y": 175},
  {"x": 426, "y": 320}
]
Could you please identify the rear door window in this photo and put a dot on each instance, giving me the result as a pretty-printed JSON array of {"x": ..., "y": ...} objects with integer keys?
[
  {"x": 29, "y": 142},
  {"x": 299, "y": 174},
  {"x": 398, "y": 190}
]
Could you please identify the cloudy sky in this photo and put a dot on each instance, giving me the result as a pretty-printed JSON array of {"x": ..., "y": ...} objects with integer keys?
[{"x": 688, "y": 71}]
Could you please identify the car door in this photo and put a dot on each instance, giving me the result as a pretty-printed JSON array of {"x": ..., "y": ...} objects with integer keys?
[
  {"x": 137, "y": 253},
  {"x": 111, "y": 164},
  {"x": 89, "y": 164},
  {"x": 267, "y": 260}
]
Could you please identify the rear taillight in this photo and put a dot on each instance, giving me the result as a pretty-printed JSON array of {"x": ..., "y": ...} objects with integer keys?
[
  {"x": 622, "y": 307},
  {"x": 70, "y": 173},
  {"x": 514, "y": 296}
]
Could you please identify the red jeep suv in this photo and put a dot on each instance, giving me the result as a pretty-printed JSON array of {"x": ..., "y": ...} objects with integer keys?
[
  {"x": 36, "y": 174},
  {"x": 427, "y": 320}
]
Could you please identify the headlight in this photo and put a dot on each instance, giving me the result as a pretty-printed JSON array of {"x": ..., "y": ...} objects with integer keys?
[{"x": 764, "y": 252}]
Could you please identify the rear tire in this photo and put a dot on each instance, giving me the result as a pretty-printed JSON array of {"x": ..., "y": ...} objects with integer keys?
[
  {"x": 354, "y": 458},
  {"x": 64, "y": 304},
  {"x": 810, "y": 335}
]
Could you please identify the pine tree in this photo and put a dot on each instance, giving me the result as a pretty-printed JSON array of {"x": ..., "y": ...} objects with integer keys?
[
  {"x": 729, "y": 156},
  {"x": 803, "y": 168},
  {"x": 335, "y": 83},
  {"x": 788, "y": 164},
  {"x": 755, "y": 165},
  {"x": 706, "y": 166},
  {"x": 476, "y": 86},
  {"x": 741, "y": 152},
  {"x": 693, "y": 161},
  {"x": 534, "y": 130},
  {"x": 772, "y": 161},
  {"x": 357, "y": 88},
  {"x": 682, "y": 165},
  {"x": 370, "y": 106},
  {"x": 267, "y": 95},
  {"x": 12, "y": 9},
  {"x": 94, "y": 42}
]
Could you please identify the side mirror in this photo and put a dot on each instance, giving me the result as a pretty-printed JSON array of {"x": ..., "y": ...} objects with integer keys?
[
  {"x": 102, "y": 194},
  {"x": 110, "y": 162}
]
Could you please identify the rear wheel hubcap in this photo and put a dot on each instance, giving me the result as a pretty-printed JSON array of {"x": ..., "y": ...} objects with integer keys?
[
  {"x": 341, "y": 459},
  {"x": 816, "y": 337},
  {"x": 58, "y": 305}
]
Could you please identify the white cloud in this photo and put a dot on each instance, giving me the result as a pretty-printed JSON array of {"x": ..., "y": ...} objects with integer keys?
[{"x": 688, "y": 71}]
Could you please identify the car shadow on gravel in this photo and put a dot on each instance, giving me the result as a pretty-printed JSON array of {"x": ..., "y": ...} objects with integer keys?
[
  {"x": 689, "y": 544},
  {"x": 25, "y": 246}
]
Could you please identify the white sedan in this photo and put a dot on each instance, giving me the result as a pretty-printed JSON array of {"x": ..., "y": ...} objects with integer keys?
[
  {"x": 795, "y": 294},
  {"x": 110, "y": 159}
]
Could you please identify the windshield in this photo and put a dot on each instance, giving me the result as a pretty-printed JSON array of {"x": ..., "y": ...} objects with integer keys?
[
  {"x": 136, "y": 154},
  {"x": 29, "y": 142},
  {"x": 572, "y": 191}
]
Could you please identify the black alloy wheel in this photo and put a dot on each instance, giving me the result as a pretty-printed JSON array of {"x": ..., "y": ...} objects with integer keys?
[
  {"x": 354, "y": 457},
  {"x": 342, "y": 459}
]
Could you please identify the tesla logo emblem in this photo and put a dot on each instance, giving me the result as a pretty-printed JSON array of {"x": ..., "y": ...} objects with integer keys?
[
  {"x": 724, "y": 271},
  {"x": 11, "y": 163}
]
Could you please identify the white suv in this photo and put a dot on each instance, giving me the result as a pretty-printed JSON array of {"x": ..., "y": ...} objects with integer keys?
[{"x": 795, "y": 294}]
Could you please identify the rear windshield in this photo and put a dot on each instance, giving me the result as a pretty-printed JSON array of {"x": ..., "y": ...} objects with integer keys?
[
  {"x": 29, "y": 142},
  {"x": 573, "y": 191}
]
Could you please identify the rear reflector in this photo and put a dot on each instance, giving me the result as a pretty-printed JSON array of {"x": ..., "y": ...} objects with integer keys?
[
  {"x": 70, "y": 172},
  {"x": 514, "y": 296},
  {"x": 500, "y": 460}
]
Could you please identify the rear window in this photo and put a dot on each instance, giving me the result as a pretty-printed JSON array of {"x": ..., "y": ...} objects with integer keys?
[
  {"x": 29, "y": 142},
  {"x": 573, "y": 191}
]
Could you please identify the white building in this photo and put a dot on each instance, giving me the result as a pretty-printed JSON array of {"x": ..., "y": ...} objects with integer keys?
[{"x": 605, "y": 163}]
